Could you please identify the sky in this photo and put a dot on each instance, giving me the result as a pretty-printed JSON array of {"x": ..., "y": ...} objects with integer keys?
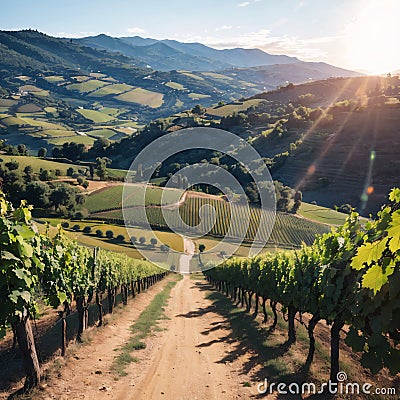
[{"x": 356, "y": 34}]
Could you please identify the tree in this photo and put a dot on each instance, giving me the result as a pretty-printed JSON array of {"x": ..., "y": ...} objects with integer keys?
[
  {"x": 109, "y": 234},
  {"x": 42, "y": 152},
  {"x": 297, "y": 201},
  {"x": 38, "y": 194},
  {"x": 12, "y": 165},
  {"x": 22, "y": 150},
  {"x": 101, "y": 167},
  {"x": 28, "y": 174},
  {"x": 198, "y": 109},
  {"x": 70, "y": 171},
  {"x": 153, "y": 242},
  {"x": 66, "y": 196},
  {"x": 164, "y": 248},
  {"x": 120, "y": 238},
  {"x": 76, "y": 228},
  {"x": 100, "y": 146},
  {"x": 345, "y": 208},
  {"x": 99, "y": 233},
  {"x": 87, "y": 229},
  {"x": 142, "y": 240},
  {"x": 45, "y": 175},
  {"x": 202, "y": 247}
]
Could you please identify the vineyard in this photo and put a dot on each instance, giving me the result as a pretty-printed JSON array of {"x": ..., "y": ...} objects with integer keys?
[
  {"x": 232, "y": 221},
  {"x": 348, "y": 277},
  {"x": 61, "y": 274}
]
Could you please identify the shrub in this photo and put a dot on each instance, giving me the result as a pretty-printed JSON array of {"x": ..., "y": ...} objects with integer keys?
[
  {"x": 99, "y": 233},
  {"x": 87, "y": 229},
  {"x": 76, "y": 228},
  {"x": 109, "y": 234},
  {"x": 121, "y": 238},
  {"x": 65, "y": 224}
]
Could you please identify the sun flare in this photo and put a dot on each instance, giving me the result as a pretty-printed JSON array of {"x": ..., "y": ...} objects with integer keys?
[{"x": 372, "y": 37}]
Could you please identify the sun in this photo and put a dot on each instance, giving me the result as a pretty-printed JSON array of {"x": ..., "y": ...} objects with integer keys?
[{"x": 372, "y": 37}]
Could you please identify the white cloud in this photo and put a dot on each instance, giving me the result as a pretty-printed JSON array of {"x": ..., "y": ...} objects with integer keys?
[
  {"x": 135, "y": 29},
  {"x": 300, "y": 4},
  {"x": 223, "y": 28},
  {"x": 244, "y": 4}
]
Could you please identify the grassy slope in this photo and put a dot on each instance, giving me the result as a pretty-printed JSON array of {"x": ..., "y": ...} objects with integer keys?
[{"x": 111, "y": 197}]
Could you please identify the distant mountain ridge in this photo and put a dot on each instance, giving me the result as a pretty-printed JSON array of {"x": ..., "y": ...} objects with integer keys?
[{"x": 179, "y": 55}]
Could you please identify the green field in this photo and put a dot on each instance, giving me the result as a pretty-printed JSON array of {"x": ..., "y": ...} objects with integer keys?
[
  {"x": 323, "y": 214},
  {"x": 41, "y": 123},
  {"x": 30, "y": 88},
  {"x": 217, "y": 76},
  {"x": 111, "y": 89},
  {"x": 54, "y": 78},
  {"x": 58, "y": 132},
  {"x": 11, "y": 121},
  {"x": 87, "y": 86},
  {"x": 7, "y": 102},
  {"x": 106, "y": 133},
  {"x": 30, "y": 108},
  {"x": 198, "y": 96},
  {"x": 111, "y": 198},
  {"x": 229, "y": 109},
  {"x": 95, "y": 116},
  {"x": 76, "y": 139},
  {"x": 190, "y": 75},
  {"x": 142, "y": 96},
  {"x": 81, "y": 78},
  {"x": 175, "y": 85},
  {"x": 38, "y": 163}
]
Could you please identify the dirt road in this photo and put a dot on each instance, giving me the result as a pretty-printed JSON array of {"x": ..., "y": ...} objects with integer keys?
[
  {"x": 183, "y": 360},
  {"x": 188, "y": 362}
]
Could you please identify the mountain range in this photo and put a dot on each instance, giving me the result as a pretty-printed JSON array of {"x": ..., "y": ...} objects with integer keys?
[{"x": 166, "y": 55}]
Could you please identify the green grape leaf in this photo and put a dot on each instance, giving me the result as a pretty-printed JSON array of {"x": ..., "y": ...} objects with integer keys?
[
  {"x": 368, "y": 253},
  {"x": 2, "y": 332},
  {"x": 392, "y": 361},
  {"x": 22, "y": 274},
  {"x": 356, "y": 342},
  {"x": 62, "y": 297},
  {"x": 6, "y": 255},
  {"x": 24, "y": 249},
  {"x": 375, "y": 278},
  {"x": 15, "y": 294},
  {"x": 395, "y": 195},
  {"x": 372, "y": 362},
  {"x": 394, "y": 232}
]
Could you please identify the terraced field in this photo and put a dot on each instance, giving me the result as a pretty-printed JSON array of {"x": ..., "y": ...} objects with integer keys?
[
  {"x": 95, "y": 116},
  {"x": 142, "y": 96},
  {"x": 228, "y": 109},
  {"x": 111, "y": 89},
  {"x": 87, "y": 86}
]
